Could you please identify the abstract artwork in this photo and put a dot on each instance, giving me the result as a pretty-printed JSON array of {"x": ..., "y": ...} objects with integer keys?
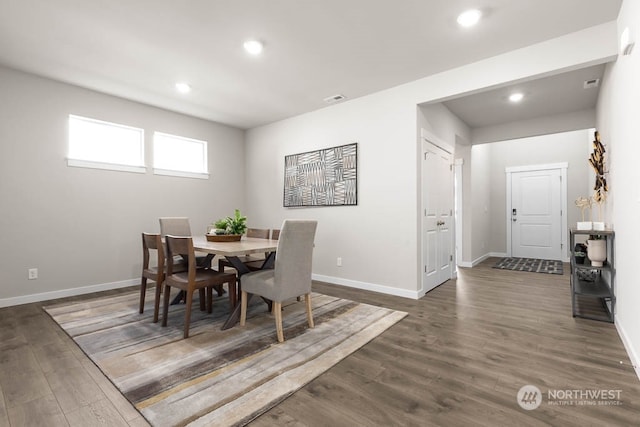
[{"x": 327, "y": 177}]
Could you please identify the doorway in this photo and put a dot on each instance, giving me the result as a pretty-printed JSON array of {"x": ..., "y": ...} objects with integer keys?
[
  {"x": 437, "y": 213},
  {"x": 536, "y": 211}
]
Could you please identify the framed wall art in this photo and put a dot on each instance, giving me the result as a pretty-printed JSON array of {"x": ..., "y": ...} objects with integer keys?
[{"x": 327, "y": 177}]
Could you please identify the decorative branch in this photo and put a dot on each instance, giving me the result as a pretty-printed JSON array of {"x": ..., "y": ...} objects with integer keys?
[
  {"x": 583, "y": 203},
  {"x": 596, "y": 160}
]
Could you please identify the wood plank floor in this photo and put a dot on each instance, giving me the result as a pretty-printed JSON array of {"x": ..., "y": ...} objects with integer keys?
[{"x": 459, "y": 358}]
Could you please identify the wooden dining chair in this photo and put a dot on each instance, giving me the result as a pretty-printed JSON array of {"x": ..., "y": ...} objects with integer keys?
[
  {"x": 150, "y": 243},
  {"x": 180, "y": 226},
  {"x": 191, "y": 279},
  {"x": 250, "y": 261},
  {"x": 291, "y": 276}
]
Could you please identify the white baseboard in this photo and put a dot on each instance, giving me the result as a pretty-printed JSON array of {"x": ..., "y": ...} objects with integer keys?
[
  {"x": 45, "y": 296},
  {"x": 633, "y": 356},
  {"x": 478, "y": 260},
  {"x": 368, "y": 286}
]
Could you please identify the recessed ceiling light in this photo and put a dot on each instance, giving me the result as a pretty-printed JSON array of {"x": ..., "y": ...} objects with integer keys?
[
  {"x": 254, "y": 47},
  {"x": 469, "y": 18},
  {"x": 183, "y": 87},
  {"x": 516, "y": 97}
]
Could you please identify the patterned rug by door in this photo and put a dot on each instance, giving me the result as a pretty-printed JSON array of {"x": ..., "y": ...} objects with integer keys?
[{"x": 533, "y": 265}]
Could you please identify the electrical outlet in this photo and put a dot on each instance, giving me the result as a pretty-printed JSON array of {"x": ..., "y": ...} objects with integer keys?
[
  {"x": 33, "y": 273},
  {"x": 339, "y": 262}
]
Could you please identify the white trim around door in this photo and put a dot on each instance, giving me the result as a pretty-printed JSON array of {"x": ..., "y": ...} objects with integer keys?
[{"x": 562, "y": 167}]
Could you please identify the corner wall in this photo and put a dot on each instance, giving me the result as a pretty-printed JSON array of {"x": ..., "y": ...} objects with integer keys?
[
  {"x": 619, "y": 129},
  {"x": 378, "y": 239},
  {"x": 81, "y": 227},
  {"x": 572, "y": 147}
]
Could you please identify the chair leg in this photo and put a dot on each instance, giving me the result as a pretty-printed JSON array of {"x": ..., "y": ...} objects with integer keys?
[
  {"x": 156, "y": 306},
  {"x": 209, "y": 299},
  {"x": 277, "y": 308},
  {"x": 187, "y": 312},
  {"x": 143, "y": 291},
  {"x": 203, "y": 299},
  {"x": 307, "y": 300},
  {"x": 165, "y": 309},
  {"x": 219, "y": 290},
  {"x": 243, "y": 308}
]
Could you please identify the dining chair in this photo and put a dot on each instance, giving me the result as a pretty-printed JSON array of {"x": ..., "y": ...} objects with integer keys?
[
  {"x": 252, "y": 262},
  {"x": 180, "y": 226},
  {"x": 291, "y": 276},
  {"x": 153, "y": 242},
  {"x": 192, "y": 279}
]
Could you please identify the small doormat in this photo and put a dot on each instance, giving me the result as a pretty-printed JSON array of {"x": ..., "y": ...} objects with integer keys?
[{"x": 534, "y": 265}]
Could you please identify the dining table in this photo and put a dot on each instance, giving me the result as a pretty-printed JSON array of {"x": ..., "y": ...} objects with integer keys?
[{"x": 232, "y": 251}]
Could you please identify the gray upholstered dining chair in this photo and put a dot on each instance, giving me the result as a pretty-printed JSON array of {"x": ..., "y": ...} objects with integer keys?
[
  {"x": 192, "y": 279},
  {"x": 175, "y": 226},
  {"x": 291, "y": 276}
]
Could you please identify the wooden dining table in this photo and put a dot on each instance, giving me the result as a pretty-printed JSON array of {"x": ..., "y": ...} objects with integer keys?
[{"x": 232, "y": 251}]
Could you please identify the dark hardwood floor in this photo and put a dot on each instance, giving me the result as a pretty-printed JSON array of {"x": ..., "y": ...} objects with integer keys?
[{"x": 459, "y": 358}]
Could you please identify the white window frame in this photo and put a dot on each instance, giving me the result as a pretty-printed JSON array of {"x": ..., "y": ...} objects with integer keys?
[
  {"x": 204, "y": 174},
  {"x": 89, "y": 163}
]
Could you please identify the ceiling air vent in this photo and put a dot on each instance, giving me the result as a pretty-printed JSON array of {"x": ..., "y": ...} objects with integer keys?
[
  {"x": 588, "y": 84},
  {"x": 334, "y": 98}
]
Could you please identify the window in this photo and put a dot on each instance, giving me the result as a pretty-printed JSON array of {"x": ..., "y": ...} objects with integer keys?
[
  {"x": 103, "y": 145},
  {"x": 179, "y": 156}
]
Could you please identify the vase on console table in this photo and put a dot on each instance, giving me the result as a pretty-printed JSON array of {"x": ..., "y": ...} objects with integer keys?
[{"x": 597, "y": 251}]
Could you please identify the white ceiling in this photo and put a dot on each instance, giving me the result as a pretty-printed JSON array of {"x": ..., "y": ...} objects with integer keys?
[
  {"x": 558, "y": 94},
  {"x": 138, "y": 49}
]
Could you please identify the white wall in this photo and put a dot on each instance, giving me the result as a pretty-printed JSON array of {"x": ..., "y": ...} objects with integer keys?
[
  {"x": 480, "y": 201},
  {"x": 619, "y": 127},
  {"x": 545, "y": 125},
  {"x": 50, "y": 211},
  {"x": 81, "y": 227},
  {"x": 379, "y": 239},
  {"x": 572, "y": 147}
]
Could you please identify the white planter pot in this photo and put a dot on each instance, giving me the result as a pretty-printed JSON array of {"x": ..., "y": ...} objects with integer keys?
[
  {"x": 598, "y": 226},
  {"x": 584, "y": 225},
  {"x": 597, "y": 252}
]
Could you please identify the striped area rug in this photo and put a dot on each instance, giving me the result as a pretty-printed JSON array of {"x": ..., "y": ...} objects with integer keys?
[{"x": 215, "y": 377}]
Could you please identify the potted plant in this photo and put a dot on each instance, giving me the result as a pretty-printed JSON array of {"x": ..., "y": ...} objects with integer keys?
[{"x": 229, "y": 229}]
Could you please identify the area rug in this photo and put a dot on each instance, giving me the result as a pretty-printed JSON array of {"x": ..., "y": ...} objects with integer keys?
[
  {"x": 534, "y": 265},
  {"x": 215, "y": 377}
]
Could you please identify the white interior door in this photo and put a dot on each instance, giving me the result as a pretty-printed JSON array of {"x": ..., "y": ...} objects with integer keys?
[
  {"x": 437, "y": 222},
  {"x": 536, "y": 214}
]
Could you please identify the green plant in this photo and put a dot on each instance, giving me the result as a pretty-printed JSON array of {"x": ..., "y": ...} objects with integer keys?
[{"x": 237, "y": 224}]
